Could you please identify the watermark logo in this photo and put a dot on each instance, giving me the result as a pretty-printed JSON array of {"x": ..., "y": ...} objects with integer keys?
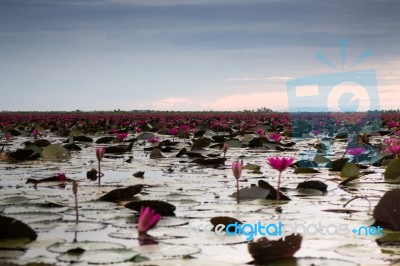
[
  {"x": 333, "y": 94},
  {"x": 281, "y": 229}
]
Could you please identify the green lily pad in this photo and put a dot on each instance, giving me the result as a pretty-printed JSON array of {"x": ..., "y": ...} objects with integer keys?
[
  {"x": 99, "y": 256},
  {"x": 365, "y": 251},
  {"x": 14, "y": 200},
  {"x": 55, "y": 152},
  {"x": 349, "y": 170},
  {"x": 166, "y": 251},
  {"x": 393, "y": 170},
  {"x": 184, "y": 262}
]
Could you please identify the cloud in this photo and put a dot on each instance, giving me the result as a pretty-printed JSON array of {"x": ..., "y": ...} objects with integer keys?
[{"x": 171, "y": 104}]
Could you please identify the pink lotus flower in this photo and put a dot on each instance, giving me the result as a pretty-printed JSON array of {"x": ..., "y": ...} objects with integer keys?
[
  {"x": 237, "y": 172},
  {"x": 173, "y": 131},
  {"x": 356, "y": 151},
  {"x": 260, "y": 132},
  {"x": 122, "y": 136},
  {"x": 237, "y": 169},
  {"x": 100, "y": 153},
  {"x": 393, "y": 146},
  {"x": 61, "y": 177},
  {"x": 275, "y": 137},
  {"x": 7, "y": 136},
  {"x": 225, "y": 148},
  {"x": 138, "y": 130},
  {"x": 153, "y": 140},
  {"x": 147, "y": 219},
  {"x": 35, "y": 133},
  {"x": 280, "y": 164}
]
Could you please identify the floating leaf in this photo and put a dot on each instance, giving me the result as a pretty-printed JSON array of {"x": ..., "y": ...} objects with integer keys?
[
  {"x": 104, "y": 140},
  {"x": 338, "y": 164},
  {"x": 12, "y": 228},
  {"x": 156, "y": 153},
  {"x": 393, "y": 170},
  {"x": 348, "y": 180},
  {"x": 14, "y": 200},
  {"x": 210, "y": 161},
  {"x": 161, "y": 207},
  {"x": 253, "y": 192},
  {"x": 55, "y": 152},
  {"x": 85, "y": 245},
  {"x": 365, "y": 251},
  {"x": 272, "y": 191},
  {"x": 302, "y": 170},
  {"x": 387, "y": 211},
  {"x": 184, "y": 262},
  {"x": 313, "y": 184},
  {"x": 166, "y": 251},
  {"x": 321, "y": 159},
  {"x": 224, "y": 220},
  {"x": 122, "y": 193},
  {"x": 264, "y": 250},
  {"x": 146, "y": 136},
  {"x": 234, "y": 143},
  {"x": 251, "y": 167},
  {"x": 201, "y": 143},
  {"x": 349, "y": 170},
  {"x": 99, "y": 256}
]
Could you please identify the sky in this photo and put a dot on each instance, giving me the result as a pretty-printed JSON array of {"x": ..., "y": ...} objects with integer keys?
[{"x": 64, "y": 55}]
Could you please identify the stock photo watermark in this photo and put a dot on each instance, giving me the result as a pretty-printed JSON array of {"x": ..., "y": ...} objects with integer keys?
[{"x": 280, "y": 229}]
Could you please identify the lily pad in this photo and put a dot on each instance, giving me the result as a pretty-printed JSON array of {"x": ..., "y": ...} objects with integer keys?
[
  {"x": 55, "y": 152},
  {"x": 387, "y": 211},
  {"x": 99, "y": 256},
  {"x": 264, "y": 250},
  {"x": 12, "y": 228},
  {"x": 122, "y": 193},
  {"x": 349, "y": 170},
  {"x": 166, "y": 251},
  {"x": 161, "y": 207},
  {"x": 84, "y": 245},
  {"x": 392, "y": 171}
]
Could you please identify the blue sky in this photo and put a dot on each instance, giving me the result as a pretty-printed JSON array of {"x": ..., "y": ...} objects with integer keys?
[{"x": 183, "y": 54}]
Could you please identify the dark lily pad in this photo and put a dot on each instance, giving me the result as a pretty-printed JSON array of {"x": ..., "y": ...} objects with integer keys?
[
  {"x": 105, "y": 140},
  {"x": 12, "y": 228},
  {"x": 224, "y": 220},
  {"x": 387, "y": 211},
  {"x": 83, "y": 245},
  {"x": 337, "y": 165},
  {"x": 209, "y": 161},
  {"x": 272, "y": 191},
  {"x": 181, "y": 152},
  {"x": 161, "y": 207},
  {"x": 82, "y": 138},
  {"x": 119, "y": 148},
  {"x": 313, "y": 184},
  {"x": 302, "y": 170},
  {"x": 122, "y": 193},
  {"x": 264, "y": 250},
  {"x": 139, "y": 174},
  {"x": 201, "y": 143},
  {"x": 72, "y": 147}
]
